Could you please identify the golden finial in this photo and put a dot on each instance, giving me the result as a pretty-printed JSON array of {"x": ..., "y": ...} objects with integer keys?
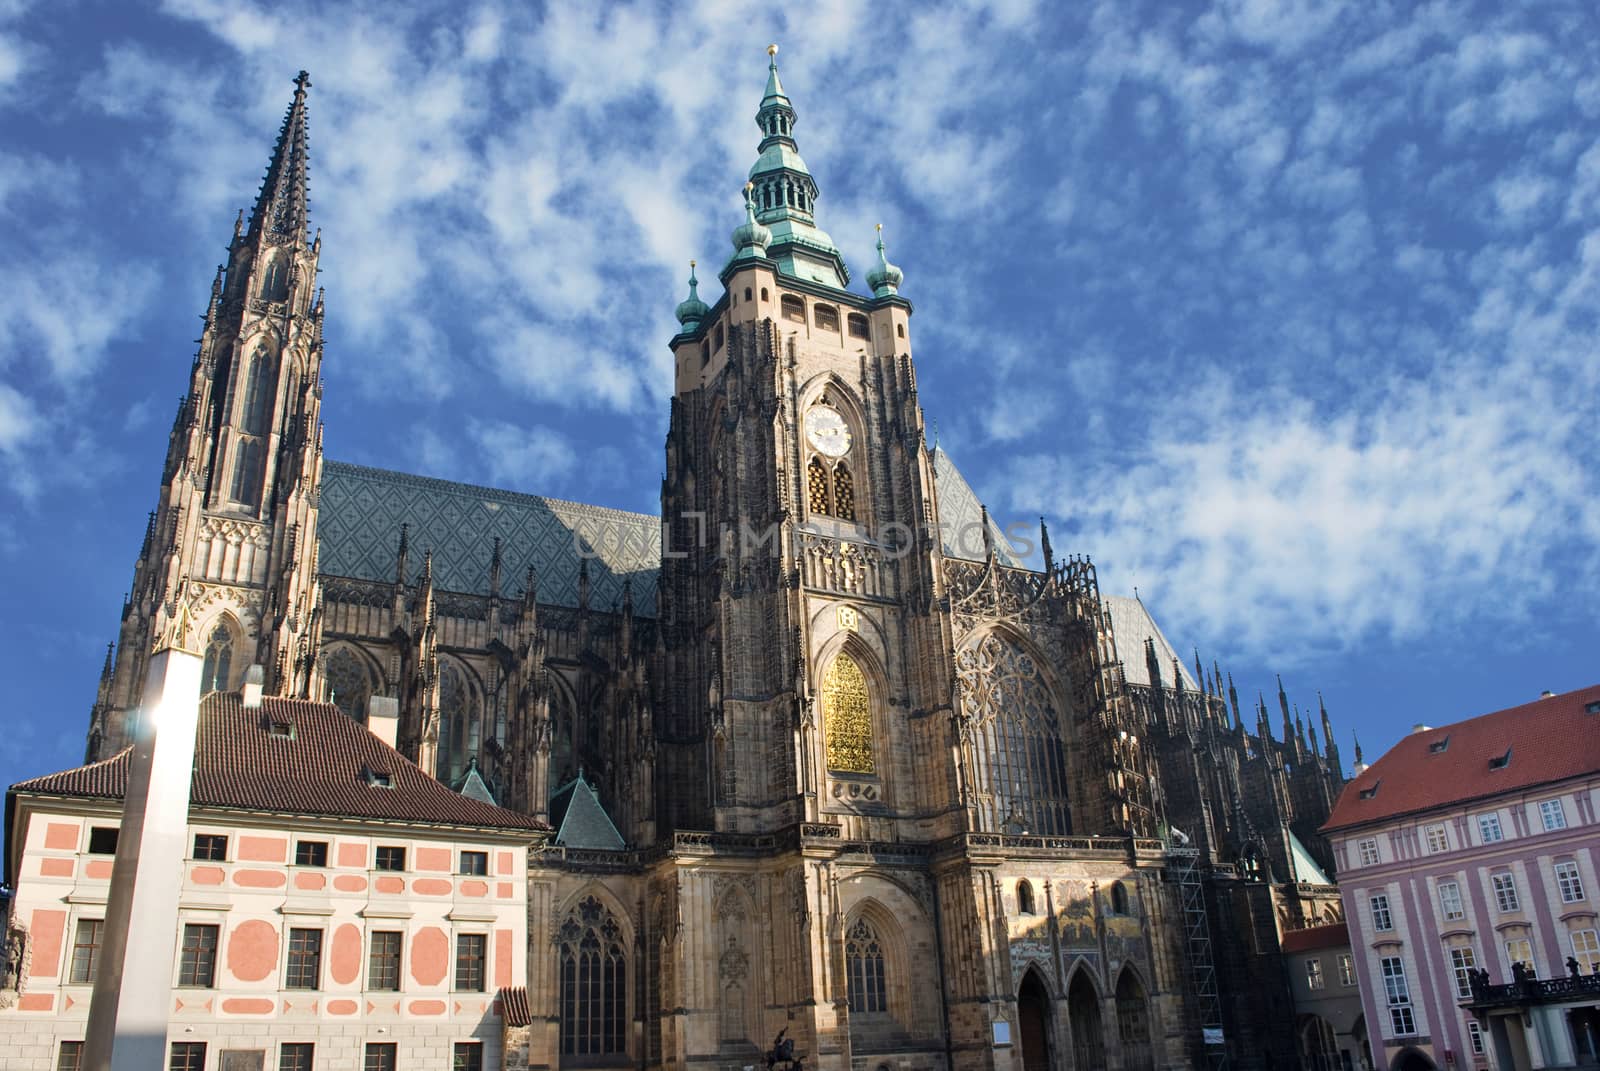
[
  {"x": 748, "y": 186},
  {"x": 880, "y": 228},
  {"x": 772, "y": 50},
  {"x": 691, "y": 265}
]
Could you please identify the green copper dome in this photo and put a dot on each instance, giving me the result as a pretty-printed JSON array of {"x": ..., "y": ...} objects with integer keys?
[
  {"x": 750, "y": 239},
  {"x": 691, "y": 310},
  {"x": 885, "y": 278}
]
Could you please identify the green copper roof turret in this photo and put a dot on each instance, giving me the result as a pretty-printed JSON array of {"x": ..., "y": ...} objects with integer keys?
[
  {"x": 750, "y": 239},
  {"x": 783, "y": 194},
  {"x": 885, "y": 279},
  {"x": 691, "y": 310}
]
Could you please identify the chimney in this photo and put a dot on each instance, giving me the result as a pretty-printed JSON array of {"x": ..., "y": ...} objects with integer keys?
[
  {"x": 1421, "y": 728},
  {"x": 1546, "y": 694},
  {"x": 254, "y": 678},
  {"x": 383, "y": 718}
]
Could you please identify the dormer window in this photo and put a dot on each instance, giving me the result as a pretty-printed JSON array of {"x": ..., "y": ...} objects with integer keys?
[
  {"x": 379, "y": 778},
  {"x": 1592, "y": 708},
  {"x": 1438, "y": 746},
  {"x": 281, "y": 730},
  {"x": 1500, "y": 762},
  {"x": 1372, "y": 791}
]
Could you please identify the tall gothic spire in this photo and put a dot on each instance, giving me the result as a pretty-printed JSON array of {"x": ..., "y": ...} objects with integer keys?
[{"x": 281, "y": 207}]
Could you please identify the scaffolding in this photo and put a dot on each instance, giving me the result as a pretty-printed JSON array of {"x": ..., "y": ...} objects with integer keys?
[{"x": 1185, "y": 870}]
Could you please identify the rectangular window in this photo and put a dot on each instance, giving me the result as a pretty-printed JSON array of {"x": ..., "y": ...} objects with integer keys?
[
  {"x": 1475, "y": 1036},
  {"x": 391, "y": 858},
  {"x": 1438, "y": 839},
  {"x": 304, "y": 969},
  {"x": 1347, "y": 969},
  {"x": 212, "y": 847},
  {"x": 1505, "y": 893},
  {"x": 383, "y": 967},
  {"x": 472, "y": 953},
  {"x": 1586, "y": 950},
  {"x": 310, "y": 853},
  {"x": 1553, "y": 815},
  {"x": 86, "y": 951},
  {"x": 1314, "y": 973},
  {"x": 1489, "y": 831},
  {"x": 1401, "y": 1020},
  {"x": 70, "y": 1058},
  {"x": 1369, "y": 851},
  {"x": 296, "y": 1056},
  {"x": 1462, "y": 962},
  {"x": 469, "y": 1056},
  {"x": 380, "y": 1057},
  {"x": 188, "y": 1056},
  {"x": 197, "y": 962},
  {"x": 1570, "y": 884},
  {"x": 1519, "y": 950},
  {"x": 858, "y": 326},
  {"x": 827, "y": 317},
  {"x": 474, "y": 862},
  {"x": 103, "y": 840},
  {"x": 1381, "y": 920},
  {"x": 1450, "y": 900},
  {"x": 793, "y": 308}
]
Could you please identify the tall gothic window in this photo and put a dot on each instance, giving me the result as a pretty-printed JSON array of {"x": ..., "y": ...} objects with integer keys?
[
  {"x": 255, "y": 419},
  {"x": 830, "y": 492},
  {"x": 1016, "y": 754},
  {"x": 1133, "y": 1023},
  {"x": 458, "y": 720},
  {"x": 844, "y": 493},
  {"x": 275, "y": 280},
  {"x": 349, "y": 687},
  {"x": 215, "y": 670},
  {"x": 247, "y": 474},
  {"x": 817, "y": 491},
  {"x": 258, "y": 395},
  {"x": 594, "y": 991},
  {"x": 847, "y": 717},
  {"x": 863, "y": 966}
]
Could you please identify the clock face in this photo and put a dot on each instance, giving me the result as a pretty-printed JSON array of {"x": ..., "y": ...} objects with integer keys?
[{"x": 827, "y": 431}]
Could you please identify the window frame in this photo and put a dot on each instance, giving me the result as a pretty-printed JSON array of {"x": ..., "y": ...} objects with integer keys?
[
  {"x": 75, "y": 1063},
  {"x": 1553, "y": 809},
  {"x": 1587, "y": 957},
  {"x": 97, "y": 842},
  {"x": 1569, "y": 880},
  {"x": 211, "y": 854},
  {"x": 1369, "y": 852},
  {"x": 380, "y": 861},
  {"x": 1507, "y": 900},
  {"x": 1463, "y": 961},
  {"x": 397, "y": 956},
  {"x": 1347, "y": 969},
  {"x": 1315, "y": 979},
  {"x": 309, "y": 848},
  {"x": 188, "y": 1050},
  {"x": 1487, "y": 822},
  {"x": 1397, "y": 996},
  {"x": 386, "y": 1052},
  {"x": 191, "y": 960},
  {"x": 473, "y": 1050},
  {"x": 1527, "y": 960},
  {"x": 82, "y": 971},
  {"x": 297, "y": 1049},
  {"x": 1460, "y": 911},
  {"x": 478, "y": 964},
  {"x": 295, "y": 963},
  {"x": 480, "y": 859},
  {"x": 1381, "y": 911},
  {"x": 1474, "y": 1036},
  {"x": 1437, "y": 837}
]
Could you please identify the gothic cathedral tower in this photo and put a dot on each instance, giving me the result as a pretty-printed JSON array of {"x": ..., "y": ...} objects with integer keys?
[
  {"x": 797, "y": 575},
  {"x": 228, "y": 565}
]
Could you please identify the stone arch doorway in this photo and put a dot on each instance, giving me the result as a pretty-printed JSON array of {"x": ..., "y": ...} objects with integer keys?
[
  {"x": 1033, "y": 1022},
  {"x": 1083, "y": 1011},
  {"x": 1412, "y": 1060}
]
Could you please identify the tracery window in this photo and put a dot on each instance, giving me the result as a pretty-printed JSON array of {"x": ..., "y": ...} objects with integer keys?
[
  {"x": 215, "y": 671},
  {"x": 594, "y": 992},
  {"x": 458, "y": 721},
  {"x": 1015, "y": 749},
  {"x": 830, "y": 492},
  {"x": 1133, "y": 1023},
  {"x": 863, "y": 965},
  {"x": 844, "y": 493},
  {"x": 847, "y": 717},
  {"x": 349, "y": 687}
]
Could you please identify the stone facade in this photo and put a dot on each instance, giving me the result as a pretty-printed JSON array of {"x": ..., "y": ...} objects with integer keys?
[{"x": 883, "y": 787}]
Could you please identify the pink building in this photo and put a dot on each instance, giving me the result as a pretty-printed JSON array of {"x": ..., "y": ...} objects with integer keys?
[
  {"x": 340, "y": 908},
  {"x": 1466, "y": 860}
]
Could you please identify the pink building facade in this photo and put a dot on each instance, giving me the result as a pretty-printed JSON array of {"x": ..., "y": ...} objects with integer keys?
[
  {"x": 339, "y": 907},
  {"x": 1467, "y": 861}
]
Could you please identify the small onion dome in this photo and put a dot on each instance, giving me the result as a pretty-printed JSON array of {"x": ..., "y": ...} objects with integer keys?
[
  {"x": 885, "y": 278},
  {"x": 691, "y": 310},
  {"x": 750, "y": 238}
]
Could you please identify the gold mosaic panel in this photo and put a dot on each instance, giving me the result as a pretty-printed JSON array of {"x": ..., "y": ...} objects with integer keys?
[{"x": 847, "y": 714}]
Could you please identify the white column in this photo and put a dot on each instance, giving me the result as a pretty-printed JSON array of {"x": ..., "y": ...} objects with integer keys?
[{"x": 133, "y": 988}]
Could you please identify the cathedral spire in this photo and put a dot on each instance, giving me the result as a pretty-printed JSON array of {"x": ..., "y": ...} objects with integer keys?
[
  {"x": 885, "y": 279},
  {"x": 783, "y": 195},
  {"x": 281, "y": 206}
]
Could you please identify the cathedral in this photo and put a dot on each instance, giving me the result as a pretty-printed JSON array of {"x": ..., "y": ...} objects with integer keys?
[{"x": 820, "y": 754}]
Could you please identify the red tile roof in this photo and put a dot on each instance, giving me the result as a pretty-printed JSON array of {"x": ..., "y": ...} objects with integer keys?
[
  {"x": 1333, "y": 935},
  {"x": 1550, "y": 739},
  {"x": 240, "y": 764}
]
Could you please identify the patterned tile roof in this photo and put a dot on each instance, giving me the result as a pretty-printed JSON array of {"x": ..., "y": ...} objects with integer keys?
[
  {"x": 1132, "y": 624},
  {"x": 1551, "y": 739},
  {"x": 322, "y": 770},
  {"x": 363, "y": 508},
  {"x": 580, "y": 819},
  {"x": 961, "y": 516}
]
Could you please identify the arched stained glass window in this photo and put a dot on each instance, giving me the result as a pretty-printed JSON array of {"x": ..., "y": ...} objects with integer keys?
[
  {"x": 863, "y": 965},
  {"x": 594, "y": 973},
  {"x": 817, "y": 496},
  {"x": 349, "y": 687},
  {"x": 247, "y": 473},
  {"x": 1018, "y": 759},
  {"x": 844, "y": 493},
  {"x": 457, "y": 719},
  {"x": 847, "y": 717},
  {"x": 258, "y": 392},
  {"x": 216, "y": 670}
]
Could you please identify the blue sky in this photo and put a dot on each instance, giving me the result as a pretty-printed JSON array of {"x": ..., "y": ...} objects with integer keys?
[{"x": 1283, "y": 313}]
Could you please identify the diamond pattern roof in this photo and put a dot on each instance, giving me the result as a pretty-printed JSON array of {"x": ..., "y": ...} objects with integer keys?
[
  {"x": 961, "y": 517},
  {"x": 1132, "y": 624},
  {"x": 363, "y": 508}
]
